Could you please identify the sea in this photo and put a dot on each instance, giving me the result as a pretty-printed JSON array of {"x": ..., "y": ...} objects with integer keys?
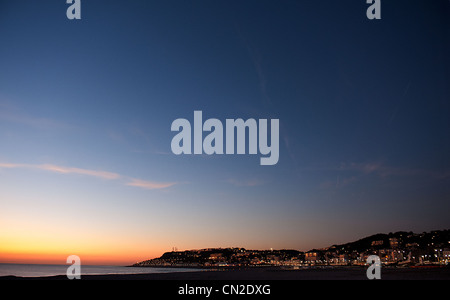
[{"x": 41, "y": 270}]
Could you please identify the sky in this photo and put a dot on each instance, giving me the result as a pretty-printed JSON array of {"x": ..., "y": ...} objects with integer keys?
[{"x": 86, "y": 107}]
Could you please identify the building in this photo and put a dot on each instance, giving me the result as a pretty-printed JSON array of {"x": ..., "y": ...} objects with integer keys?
[
  {"x": 343, "y": 259},
  {"x": 377, "y": 243},
  {"x": 442, "y": 255},
  {"x": 216, "y": 256},
  {"x": 311, "y": 257},
  {"x": 393, "y": 242},
  {"x": 446, "y": 256}
]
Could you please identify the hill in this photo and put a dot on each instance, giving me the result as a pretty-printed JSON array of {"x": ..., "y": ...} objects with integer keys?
[{"x": 393, "y": 248}]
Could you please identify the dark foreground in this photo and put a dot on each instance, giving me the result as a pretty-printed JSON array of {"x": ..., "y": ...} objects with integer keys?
[{"x": 342, "y": 273}]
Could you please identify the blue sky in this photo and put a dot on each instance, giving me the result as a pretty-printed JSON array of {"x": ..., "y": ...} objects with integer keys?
[{"x": 86, "y": 108}]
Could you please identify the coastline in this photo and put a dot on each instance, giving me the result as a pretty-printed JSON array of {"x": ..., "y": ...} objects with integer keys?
[{"x": 269, "y": 273}]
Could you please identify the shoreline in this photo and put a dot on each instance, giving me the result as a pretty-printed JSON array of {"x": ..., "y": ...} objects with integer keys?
[{"x": 268, "y": 273}]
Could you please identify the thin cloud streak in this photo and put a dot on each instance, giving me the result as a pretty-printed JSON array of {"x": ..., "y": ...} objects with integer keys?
[
  {"x": 11, "y": 166},
  {"x": 150, "y": 185},
  {"x": 35, "y": 122},
  {"x": 66, "y": 170},
  {"x": 359, "y": 170},
  {"x": 256, "y": 59},
  {"x": 145, "y": 184},
  {"x": 63, "y": 170},
  {"x": 245, "y": 182}
]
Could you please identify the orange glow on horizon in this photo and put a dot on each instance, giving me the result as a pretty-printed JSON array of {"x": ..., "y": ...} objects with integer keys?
[
  {"x": 46, "y": 243},
  {"x": 120, "y": 259},
  {"x": 14, "y": 250}
]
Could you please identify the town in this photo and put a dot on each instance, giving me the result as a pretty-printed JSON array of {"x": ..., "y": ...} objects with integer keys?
[{"x": 394, "y": 249}]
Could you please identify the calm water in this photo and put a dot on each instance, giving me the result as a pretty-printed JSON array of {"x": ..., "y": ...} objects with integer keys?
[{"x": 25, "y": 270}]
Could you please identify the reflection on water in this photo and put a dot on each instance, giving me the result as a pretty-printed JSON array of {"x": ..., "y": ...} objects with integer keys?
[{"x": 32, "y": 270}]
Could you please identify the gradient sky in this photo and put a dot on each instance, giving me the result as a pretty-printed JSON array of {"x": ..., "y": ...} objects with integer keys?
[{"x": 86, "y": 107}]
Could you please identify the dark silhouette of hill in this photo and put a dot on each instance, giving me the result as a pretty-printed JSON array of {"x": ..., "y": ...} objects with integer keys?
[
  {"x": 408, "y": 243},
  {"x": 400, "y": 239}
]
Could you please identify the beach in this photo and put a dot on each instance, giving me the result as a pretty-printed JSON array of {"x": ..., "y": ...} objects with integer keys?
[{"x": 270, "y": 274}]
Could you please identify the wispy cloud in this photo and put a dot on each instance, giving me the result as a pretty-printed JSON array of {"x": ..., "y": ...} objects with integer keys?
[
  {"x": 9, "y": 166},
  {"x": 349, "y": 173},
  {"x": 400, "y": 103},
  {"x": 32, "y": 121},
  {"x": 381, "y": 169},
  {"x": 149, "y": 185},
  {"x": 245, "y": 182},
  {"x": 256, "y": 59},
  {"x": 340, "y": 182},
  {"x": 145, "y": 184},
  {"x": 64, "y": 170},
  {"x": 67, "y": 170}
]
